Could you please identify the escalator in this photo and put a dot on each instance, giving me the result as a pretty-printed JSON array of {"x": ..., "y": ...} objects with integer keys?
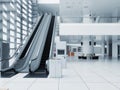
[
  {"x": 45, "y": 55},
  {"x": 10, "y": 71},
  {"x": 41, "y": 70},
  {"x": 36, "y": 46}
]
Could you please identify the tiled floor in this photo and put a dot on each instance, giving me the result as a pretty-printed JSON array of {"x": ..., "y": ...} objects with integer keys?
[{"x": 79, "y": 75}]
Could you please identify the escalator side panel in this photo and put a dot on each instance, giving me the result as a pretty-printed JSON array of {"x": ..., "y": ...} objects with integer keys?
[{"x": 30, "y": 40}]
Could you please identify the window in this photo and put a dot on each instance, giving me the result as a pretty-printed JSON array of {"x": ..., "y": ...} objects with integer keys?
[
  {"x": 18, "y": 19},
  {"x": 12, "y": 39},
  {"x": 24, "y": 11},
  {"x": 19, "y": 1},
  {"x": 24, "y": 27},
  {"x": 12, "y": 45},
  {"x": 18, "y": 40},
  {"x": 79, "y": 49},
  {"x": 25, "y": 23},
  {"x": 4, "y": 14},
  {"x": 25, "y": 6},
  {"x": 12, "y": 27},
  {"x": 25, "y": 1},
  {"x": 11, "y": 4},
  {"x": 18, "y": 24},
  {"x": 18, "y": 45},
  {"x": 18, "y": 35},
  {"x": 12, "y": 14},
  {"x": 12, "y": 51},
  {"x": 5, "y": 37},
  {"x": 18, "y": 30},
  {"x": 4, "y": 7},
  {"x": 18, "y": 6},
  {"x": 12, "y": 20},
  {"x": 4, "y": 29},
  {"x": 18, "y": 11},
  {"x": 5, "y": 22},
  {"x": 61, "y": 52},
  {"x": 12, "y": 33},
  {"x": 25, "y": 32},
  {"x": 74, "y": 49}
]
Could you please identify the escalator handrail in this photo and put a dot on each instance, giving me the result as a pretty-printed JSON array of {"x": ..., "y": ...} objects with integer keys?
[
  {"x": 52, "y": 41},
  {"x": 13, "y": 54},
  {"x": 19, "y": 46}
]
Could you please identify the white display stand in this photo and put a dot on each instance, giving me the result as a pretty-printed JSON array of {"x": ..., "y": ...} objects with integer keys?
[
  {"x": 55, "y": 68},
  {"x": 4, "y": 89},
  {"x": 63, "y": 62}
]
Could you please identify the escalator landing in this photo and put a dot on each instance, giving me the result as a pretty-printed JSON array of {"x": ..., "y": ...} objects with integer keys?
[
  {"x": 8, "y": 74},
  {"x": 39, "y": 74}
]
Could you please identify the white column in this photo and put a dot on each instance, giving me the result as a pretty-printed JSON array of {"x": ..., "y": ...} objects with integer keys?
[
  {"x": 103, "y": 46},
  {"x": 114, "y": 47},
  {"x": 87, "y": 48},
  {"x": 107, "y": 45}
]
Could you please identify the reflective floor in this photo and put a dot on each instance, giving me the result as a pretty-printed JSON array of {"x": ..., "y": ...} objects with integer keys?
[{"x": 79, "y": 75}]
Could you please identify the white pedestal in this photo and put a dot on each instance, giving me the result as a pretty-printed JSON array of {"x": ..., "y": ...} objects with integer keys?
[
  {"x": 4, "y": 89},
  {"x": 63, "y": 62},
  {"x": 55, "y": 68}
]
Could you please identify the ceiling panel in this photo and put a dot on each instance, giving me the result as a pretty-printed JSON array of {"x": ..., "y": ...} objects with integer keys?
[{"x": 74, "y": 8}]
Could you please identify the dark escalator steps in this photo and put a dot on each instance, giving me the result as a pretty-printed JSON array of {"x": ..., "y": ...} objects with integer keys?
[
  {"x": 37, "y": 74},
  {"x": 8, "y": 74}
]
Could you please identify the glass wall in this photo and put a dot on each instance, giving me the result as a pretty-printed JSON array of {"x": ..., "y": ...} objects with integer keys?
[{"x": 15, "y": 22}]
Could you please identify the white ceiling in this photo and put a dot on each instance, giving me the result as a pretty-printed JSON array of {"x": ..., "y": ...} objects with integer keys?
[
  {"x": 48, "y": 1},
  {"x": 99, "y": 7},
  {"x": 104, "y": 5},
  {"x": 74, "y": 8}
]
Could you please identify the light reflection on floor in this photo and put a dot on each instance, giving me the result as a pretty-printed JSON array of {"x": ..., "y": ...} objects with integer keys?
[{"x": 79, "y": 75}]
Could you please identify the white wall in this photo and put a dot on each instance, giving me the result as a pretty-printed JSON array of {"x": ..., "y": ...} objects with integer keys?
[
  {"x": 60, "y": 45},
  {"x": 89, "y": 29},
  {"x": 53, "y": 8}
]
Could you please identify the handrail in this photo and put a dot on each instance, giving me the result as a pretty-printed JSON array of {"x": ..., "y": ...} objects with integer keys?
[
  {"x": 15, "y": 50},
  {"x": 19, "y": 46},
  {"x": 52, "y": 42}
]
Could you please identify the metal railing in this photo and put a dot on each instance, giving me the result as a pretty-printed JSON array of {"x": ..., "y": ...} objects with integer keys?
[{"x": 52, "y": 42}]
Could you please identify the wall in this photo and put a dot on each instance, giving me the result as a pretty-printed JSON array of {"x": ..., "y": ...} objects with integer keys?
[
  {"x": 53, "y": 8},
  {"x": 60, "y": 45}
]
